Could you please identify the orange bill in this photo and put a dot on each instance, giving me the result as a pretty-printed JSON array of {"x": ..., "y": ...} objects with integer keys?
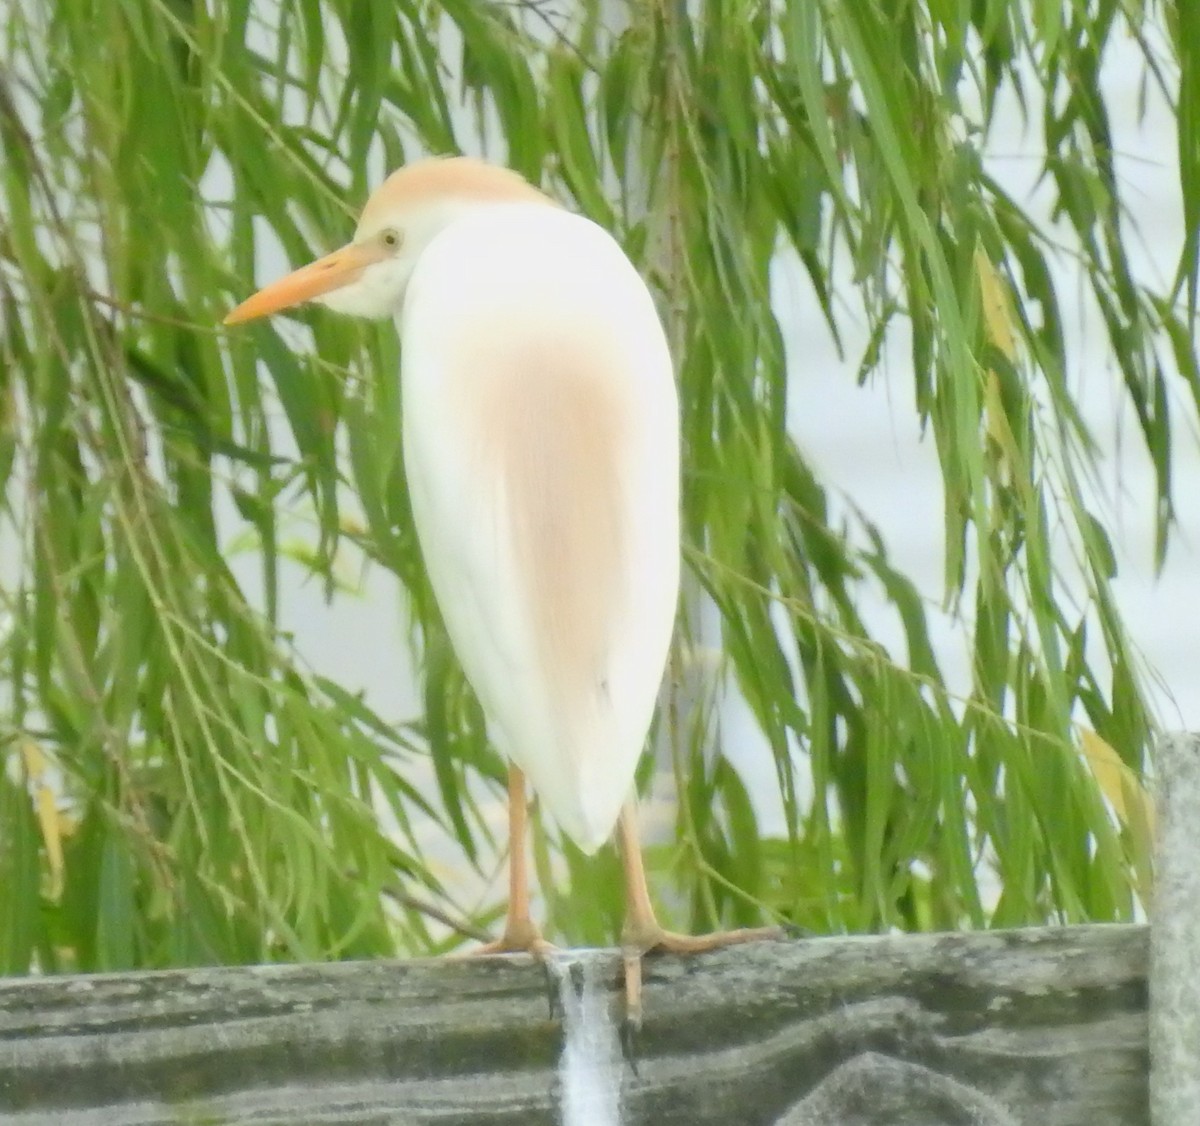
[{"x": 322, "y": 276}]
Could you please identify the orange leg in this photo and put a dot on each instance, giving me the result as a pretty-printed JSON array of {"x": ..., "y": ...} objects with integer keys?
[
  {"x": 521, "y": 934},
  {"x": 642, "y": 932}
]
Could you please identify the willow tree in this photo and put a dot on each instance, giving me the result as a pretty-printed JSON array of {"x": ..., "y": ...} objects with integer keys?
[{"x": 178, "y": 786}]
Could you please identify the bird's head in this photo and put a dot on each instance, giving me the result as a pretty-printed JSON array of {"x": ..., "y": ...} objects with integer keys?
[{"x": 368, "y": 277}]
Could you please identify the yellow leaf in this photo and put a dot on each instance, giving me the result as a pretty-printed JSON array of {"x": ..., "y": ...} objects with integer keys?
[
  {"x": 1130, "y": 801},
  {"x": 47, "y": 813},
  {"x": 997, "y": 421},
  {"x": 998, "y": 322},
  {"x": 997, "y": 316}
]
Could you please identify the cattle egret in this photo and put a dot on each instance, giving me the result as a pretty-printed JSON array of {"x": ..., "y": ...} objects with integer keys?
[{"x": 541, "y": 442}]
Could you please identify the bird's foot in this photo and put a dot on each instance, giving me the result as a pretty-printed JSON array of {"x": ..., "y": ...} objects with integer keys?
[
  {"x": 521, "y": 936},
  {"x": 638, "y": 940},
  {"x": 656, "y": 940}
]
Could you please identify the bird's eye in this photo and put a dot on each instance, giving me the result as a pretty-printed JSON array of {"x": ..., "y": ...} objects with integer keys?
[{"x": 391, "y": 239}]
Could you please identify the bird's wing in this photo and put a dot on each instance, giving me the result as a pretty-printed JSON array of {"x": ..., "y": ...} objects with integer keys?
[{"x": 541, "y": 446}]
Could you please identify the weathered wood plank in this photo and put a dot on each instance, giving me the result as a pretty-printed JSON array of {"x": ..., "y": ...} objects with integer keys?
[
  {"x": 1174, "y": 944},
  {"x": 1037, "y": 1026}
]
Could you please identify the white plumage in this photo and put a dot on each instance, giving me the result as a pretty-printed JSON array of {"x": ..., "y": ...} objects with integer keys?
[
  {"x": 541, "y": 440},
  {"x": 541, "y": 446}
]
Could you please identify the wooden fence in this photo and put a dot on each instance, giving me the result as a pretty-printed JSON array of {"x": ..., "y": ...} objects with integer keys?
[
  {"x": 1040, "y": 1027},
  {"x": 1045, "y": 1026}
]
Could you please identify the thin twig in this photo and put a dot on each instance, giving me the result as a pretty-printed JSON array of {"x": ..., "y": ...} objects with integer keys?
[{"x": 459, "y": 926}]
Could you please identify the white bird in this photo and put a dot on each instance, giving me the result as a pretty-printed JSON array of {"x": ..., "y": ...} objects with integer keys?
[{"x": 541, "y": 443}]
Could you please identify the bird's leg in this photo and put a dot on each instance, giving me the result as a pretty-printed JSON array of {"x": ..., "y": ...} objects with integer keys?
[
  {"x": 521, "y": 934},
  {"x": 642, "y": 932}
]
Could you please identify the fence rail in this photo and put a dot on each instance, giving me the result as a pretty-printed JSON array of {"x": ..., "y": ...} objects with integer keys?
[{"x": 1026, "y": 1026}]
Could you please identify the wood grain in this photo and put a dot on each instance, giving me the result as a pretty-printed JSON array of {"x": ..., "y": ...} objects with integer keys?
[{"x": 1045, "y": 1027}]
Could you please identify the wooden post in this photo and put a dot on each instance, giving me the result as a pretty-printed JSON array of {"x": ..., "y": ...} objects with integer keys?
[
  {"x": 1175, "y": 937},
  {"x": 1044, "y": 1026}
]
